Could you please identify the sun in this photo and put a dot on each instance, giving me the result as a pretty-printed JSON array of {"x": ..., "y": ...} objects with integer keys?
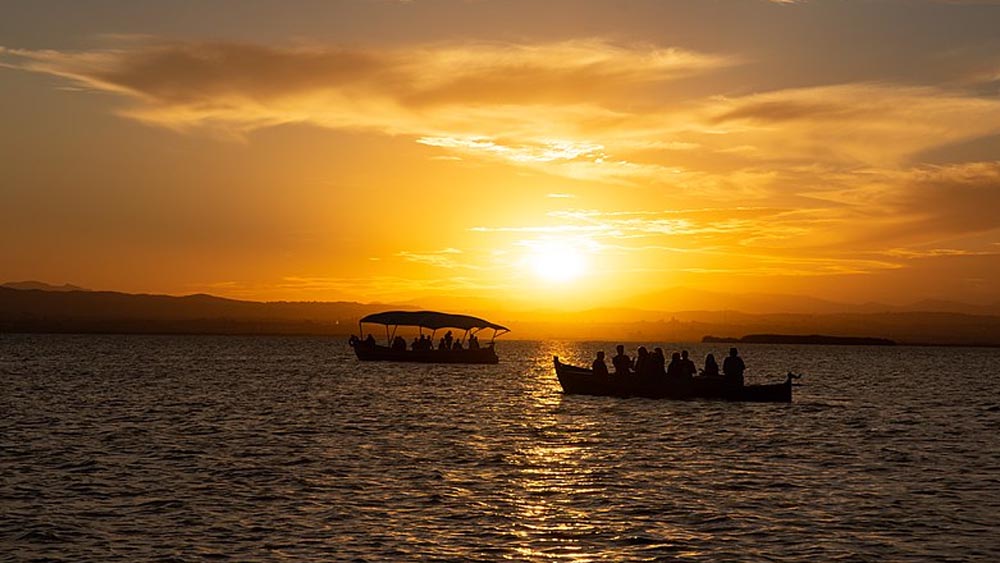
[{"x": 557, "y": 261}]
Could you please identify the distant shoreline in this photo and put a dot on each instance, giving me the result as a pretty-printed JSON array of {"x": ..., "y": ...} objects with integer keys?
[
  {"x": 813, "y": 339},
  {"x": 33, "y": 311},
  {"x": 344, "y": 336}
]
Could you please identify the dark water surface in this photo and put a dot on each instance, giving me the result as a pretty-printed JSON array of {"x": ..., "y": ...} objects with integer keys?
[{"x": 161, "y": 448}]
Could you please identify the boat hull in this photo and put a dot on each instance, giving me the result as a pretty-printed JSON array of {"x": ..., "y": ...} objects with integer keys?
[
  {"x": 581, "y": 381},
  {"x": 378, "y": 353}
]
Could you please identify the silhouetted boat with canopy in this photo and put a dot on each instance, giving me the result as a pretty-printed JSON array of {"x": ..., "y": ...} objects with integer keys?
[
  {"x": 369, "y": 350},
  {"x": 582, "y": 381}
]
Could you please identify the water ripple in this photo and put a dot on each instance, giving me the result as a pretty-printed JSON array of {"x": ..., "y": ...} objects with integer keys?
[{"x": 128, "y": 448}]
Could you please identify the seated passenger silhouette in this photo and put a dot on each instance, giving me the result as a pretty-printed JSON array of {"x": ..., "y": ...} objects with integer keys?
[
  {"x": 457, "y": 345},
  {"x": 370, "y": 340},
  {"x": 621, "y": 361},
  {"x": 448, "y": 340},
  {"x": 642, "y": 362},
  {"x": 711, "y": 367},
  {"x": 599, "y": 367},
  {"x": 676, "y": 368},
  {"x": 659, "y": 362},
  {"x": 442, "y": 345},
  {"x": 733, "y": 367},
  {"x": 473, "y": 342},
  {"x": 689, "y": 368}
]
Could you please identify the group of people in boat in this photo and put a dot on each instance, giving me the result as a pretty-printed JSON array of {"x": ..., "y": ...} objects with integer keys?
[
  {"x": 446, "y": 342},
  {"x": 653, "y": 365},
  {"x": 423, "y": 343}
]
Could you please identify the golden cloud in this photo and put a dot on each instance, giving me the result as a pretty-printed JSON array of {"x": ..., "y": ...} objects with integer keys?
[
  {"x": 247, "y": 86},
  {"x": 583, "y": 109}
]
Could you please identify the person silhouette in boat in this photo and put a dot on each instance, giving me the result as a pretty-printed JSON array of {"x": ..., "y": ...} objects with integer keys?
[
  {"x": 642, "y": 361},
  {"x": 711, "y": 367},
  {"x": 370, "y": 340},
  {"x": 659, "y": 363},
  {"x": 599, "y": 367},
  {"x": 457, "y": 345},
  {"x": 473, "y": 342},
  {"x": 448, "y": 340},
  {"x": 733, "y": 367},
  {"x": 675, "y": 370},
  {"x": 621, "y": 361},
  {"x": 690, "y": 370}
]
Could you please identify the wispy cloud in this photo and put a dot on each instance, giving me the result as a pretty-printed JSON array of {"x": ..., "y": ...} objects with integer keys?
[
  {"x": 542, "y": 152},
  {"x": 445, "y": 258},
  {"x": 247, "y": 86},
  {"x": 585, "y": 108},
  {"x": 529, "y": 104},
  {"x": 851, "y": 124},
  {"x": 867, "y": 221}
]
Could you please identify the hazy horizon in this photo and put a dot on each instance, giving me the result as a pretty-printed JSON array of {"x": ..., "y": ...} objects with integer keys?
[
  {"x": 680, "y": 299},
  {"x": 58, "y": 310}
]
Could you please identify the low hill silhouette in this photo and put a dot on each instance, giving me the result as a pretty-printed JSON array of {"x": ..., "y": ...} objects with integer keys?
[
  {"x": 684, "y": 298},
  {"x": 34, "y": 310},
  {"x": 818, "y": 339},
  {"x": 34, "y": 284}
]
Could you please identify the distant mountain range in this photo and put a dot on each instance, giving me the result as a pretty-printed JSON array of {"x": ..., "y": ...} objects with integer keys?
[
  {"x": 687, "y": 299},
  {"x": 42, "y": 286},
  {"x": 39, "y": 307},
  {"x": 44, "y": 310}
]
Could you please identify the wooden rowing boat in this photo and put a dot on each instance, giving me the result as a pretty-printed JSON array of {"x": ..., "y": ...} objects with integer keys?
[{"x": 582, "y": 381}]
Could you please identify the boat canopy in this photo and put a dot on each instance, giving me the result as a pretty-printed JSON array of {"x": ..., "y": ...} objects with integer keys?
[{"x": 432, "y": 320}]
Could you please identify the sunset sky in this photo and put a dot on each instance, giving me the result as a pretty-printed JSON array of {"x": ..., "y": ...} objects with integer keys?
[{"x": 562, "y": 152}]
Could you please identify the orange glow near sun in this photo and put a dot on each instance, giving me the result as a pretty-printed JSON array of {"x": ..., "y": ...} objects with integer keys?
[{"x": 557, "y": 261}]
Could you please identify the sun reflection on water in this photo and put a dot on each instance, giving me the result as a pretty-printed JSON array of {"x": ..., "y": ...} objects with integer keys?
[{"x": 552, "y": 486}]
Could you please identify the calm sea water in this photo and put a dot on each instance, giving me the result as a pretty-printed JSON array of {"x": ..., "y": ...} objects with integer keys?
[{"x": 164, "y": 448}]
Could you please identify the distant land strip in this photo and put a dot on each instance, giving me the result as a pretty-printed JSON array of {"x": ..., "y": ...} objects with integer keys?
[
  {"x": 105, "y": 312},
  {"x": 821, "y": 339}
]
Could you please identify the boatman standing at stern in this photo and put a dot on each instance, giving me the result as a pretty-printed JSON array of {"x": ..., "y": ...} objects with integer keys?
[{"x": 733, "y": 367}]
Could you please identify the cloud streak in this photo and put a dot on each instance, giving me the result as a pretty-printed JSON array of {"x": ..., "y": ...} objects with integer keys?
[
  {"x": 247, "y": 86},
  {"x": 586, "y": 108},
  {"x": 528, "y": 104}
]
